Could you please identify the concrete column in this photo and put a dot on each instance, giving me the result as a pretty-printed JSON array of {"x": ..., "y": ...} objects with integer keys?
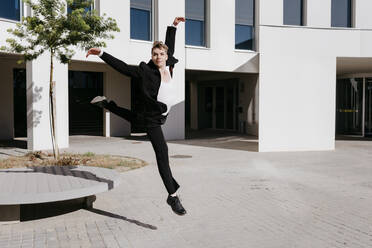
[
  {"x": 117, "y": 88},
  {"x": 38, "y": 114}
]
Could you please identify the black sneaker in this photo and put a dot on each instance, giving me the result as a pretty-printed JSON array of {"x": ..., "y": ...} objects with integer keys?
[
  {"x": 176, "y": 205},
  {"x": 99, "y": 101}
]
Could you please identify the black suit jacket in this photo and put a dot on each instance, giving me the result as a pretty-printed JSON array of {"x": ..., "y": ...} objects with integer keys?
[{"x": 148, "y": 77}]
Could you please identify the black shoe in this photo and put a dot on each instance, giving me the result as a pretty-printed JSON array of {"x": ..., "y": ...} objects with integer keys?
[
  {"x": 99, "y": 101},
  {"x": 176, "y": 205}
]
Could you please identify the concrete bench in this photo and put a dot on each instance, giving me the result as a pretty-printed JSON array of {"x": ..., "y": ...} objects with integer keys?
[{"x": 51, "y": 184}]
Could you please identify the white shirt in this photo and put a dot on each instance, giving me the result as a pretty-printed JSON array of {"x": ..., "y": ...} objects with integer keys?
[{"x": 167, "y": 94}]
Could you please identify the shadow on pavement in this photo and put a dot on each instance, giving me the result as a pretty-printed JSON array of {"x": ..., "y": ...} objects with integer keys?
[
  {"x": 353, "y": 137},
  {"x": 116, "y": 216},
  {"x": 220, "y": 139},
  {"x": 38, "y": 211},
  {"x": 210, "y": 138}
]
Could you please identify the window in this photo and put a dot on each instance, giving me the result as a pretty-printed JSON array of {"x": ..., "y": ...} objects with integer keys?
[
  {"x": 195, "y": 22},
  {"x": 10, "y": 9},
  {"x": 341, "y": 13},
  {"x": 87, "y": 9},
  {"x": 292, "y": 14},
  {"x": 244, "y": 24},
  {"x": 141, "y": 19}
]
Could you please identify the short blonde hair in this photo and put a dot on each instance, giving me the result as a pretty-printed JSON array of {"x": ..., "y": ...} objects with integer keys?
[{"x": 160, "y": 45}]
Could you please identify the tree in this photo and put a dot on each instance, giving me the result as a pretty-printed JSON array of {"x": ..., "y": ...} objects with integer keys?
[{"x": 52, "y": 28}]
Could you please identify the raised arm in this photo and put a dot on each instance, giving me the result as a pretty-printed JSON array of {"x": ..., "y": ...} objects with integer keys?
[
  {"x": 121, "y": 66},
  {"x": 170, "y": 39},
  {"x": 117, "y": 64}
]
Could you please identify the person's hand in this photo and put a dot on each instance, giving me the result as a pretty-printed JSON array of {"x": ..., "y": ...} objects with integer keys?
[
  {"x": 93, "y": 51},
  {"x": 178, "y": 20}
]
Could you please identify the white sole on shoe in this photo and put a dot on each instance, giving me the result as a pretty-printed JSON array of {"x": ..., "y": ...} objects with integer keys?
[{"x": 98, "y": 99}]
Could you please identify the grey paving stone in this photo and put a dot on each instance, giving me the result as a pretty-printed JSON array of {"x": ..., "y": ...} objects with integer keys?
[{"x": 234, "y": 198}]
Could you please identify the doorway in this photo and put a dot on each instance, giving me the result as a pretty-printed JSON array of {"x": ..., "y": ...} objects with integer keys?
[
  {"x": 20, "y": 103},
  {"x": 217, "y": 105},
  {"x": 354, "y": 106},
  {"x": 84, "y": 118}
]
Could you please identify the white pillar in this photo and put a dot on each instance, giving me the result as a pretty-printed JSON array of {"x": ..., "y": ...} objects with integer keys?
[{"x": 38, "y": 117}]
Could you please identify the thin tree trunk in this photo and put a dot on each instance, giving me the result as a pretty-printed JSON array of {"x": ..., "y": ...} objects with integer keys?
[{"x": 52, "y": 98}]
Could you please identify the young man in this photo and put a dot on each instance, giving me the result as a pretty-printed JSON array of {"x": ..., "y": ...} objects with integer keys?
[{"x": 158, "y": 91}]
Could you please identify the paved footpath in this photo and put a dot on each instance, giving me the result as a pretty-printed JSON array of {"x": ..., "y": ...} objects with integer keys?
[{"x": 234, "y": 198}]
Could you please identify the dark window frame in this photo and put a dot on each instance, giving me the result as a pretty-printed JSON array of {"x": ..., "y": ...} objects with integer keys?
[
  {"x": 204, "y": 26},
  {"x": 253, "y": 30},
  {"x": 350, "y": 16},
  {"x": 20, "y": 13},
  {"x": 151, "y": 25},
  {"x": 92, "y": 7},
  {"x": 302, "y": 13}
]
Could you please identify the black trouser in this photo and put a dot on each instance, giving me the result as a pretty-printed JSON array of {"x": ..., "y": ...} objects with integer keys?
[{"x": 156, "y": 137}]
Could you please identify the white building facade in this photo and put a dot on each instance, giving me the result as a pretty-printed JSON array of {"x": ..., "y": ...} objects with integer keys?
[{"x": 293, "y": 72}]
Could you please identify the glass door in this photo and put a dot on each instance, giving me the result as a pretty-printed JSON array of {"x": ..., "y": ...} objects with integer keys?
[
  {"x": 217, "y": 105},
  {"x": 368, "y": 108},
  {"x": 220, "y": 108},
  {"x": 349, "y": 106}
]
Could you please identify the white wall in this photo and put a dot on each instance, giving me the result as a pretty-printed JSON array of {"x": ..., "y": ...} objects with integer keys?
[
  {"x": 220, "y": 55},
  {"x": 363, "y": 14},
  {"x": 271, "y": 12},
  {"x": 318, "y": 13},
  {"x": 298, "y": 85}
]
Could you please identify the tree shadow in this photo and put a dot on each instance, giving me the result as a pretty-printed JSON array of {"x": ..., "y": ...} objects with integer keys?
[
  {"x": 33, "y": 115},
  {"x": 120, "y": 217}
]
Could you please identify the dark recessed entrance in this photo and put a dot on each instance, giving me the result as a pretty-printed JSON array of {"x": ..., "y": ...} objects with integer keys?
[
  {"x": 84, "y": 118},
  {"x": 217, "y": 105},
  {"x": 354, "y": 106},
  {"x": 20, "y": 103}
]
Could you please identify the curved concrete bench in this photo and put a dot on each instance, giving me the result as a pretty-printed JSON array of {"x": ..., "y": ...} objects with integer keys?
[{"x": 51, "y": 184}]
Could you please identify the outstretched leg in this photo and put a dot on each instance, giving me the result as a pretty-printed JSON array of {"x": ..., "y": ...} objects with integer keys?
[
  {"x": 156, "y": 137},
  {"x": 127, "y": 114}
]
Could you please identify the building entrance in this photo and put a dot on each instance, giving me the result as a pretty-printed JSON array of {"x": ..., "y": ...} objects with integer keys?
[
  {"x": 217, "y": 105},
  {"x": 354, "y": 106},
  {"x": 20, "y": 103},
  {"x": 84, "y": 118}
]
